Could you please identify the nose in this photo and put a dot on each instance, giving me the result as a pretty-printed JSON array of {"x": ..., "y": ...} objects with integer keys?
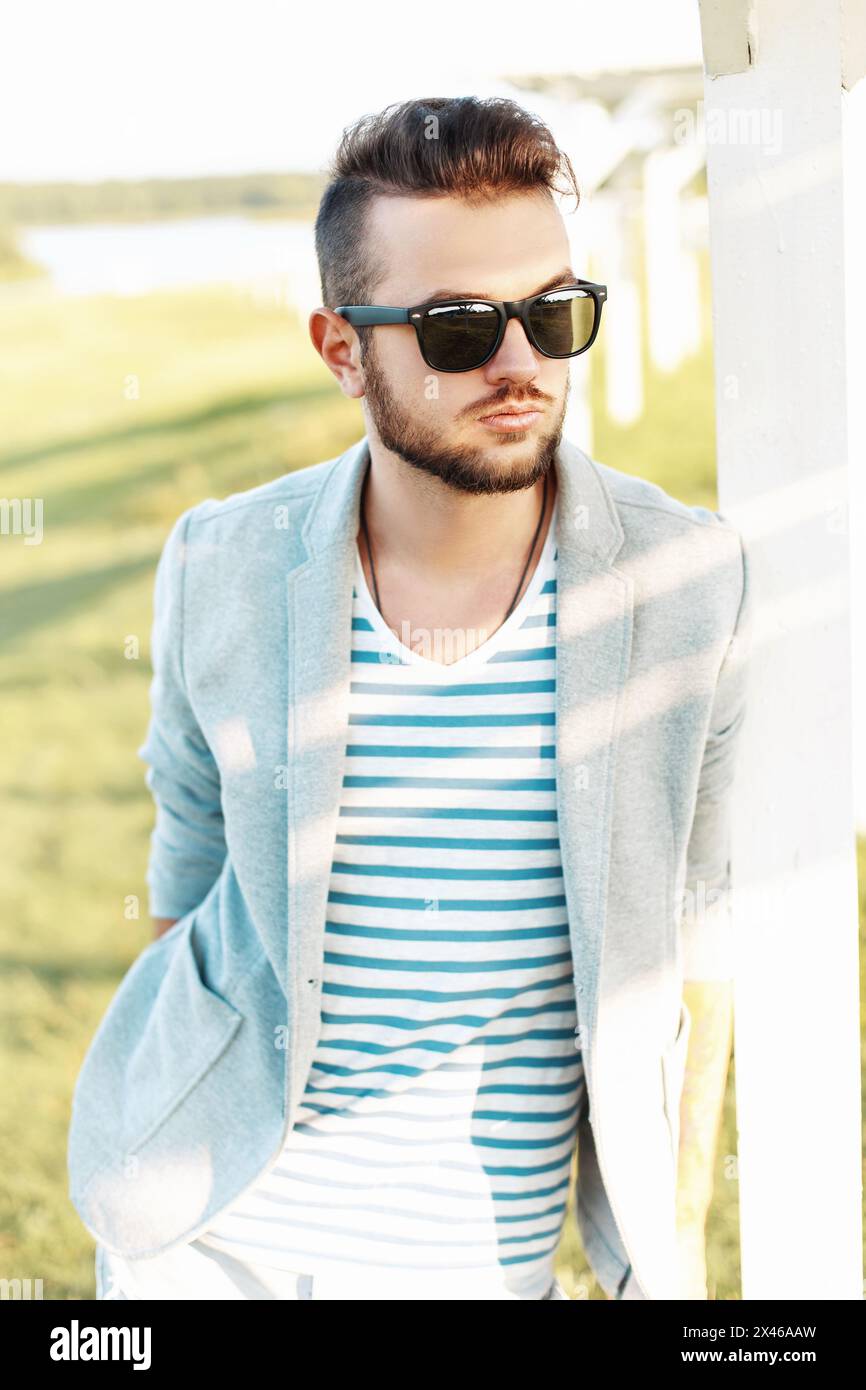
[{"x": 515, "y": 360}]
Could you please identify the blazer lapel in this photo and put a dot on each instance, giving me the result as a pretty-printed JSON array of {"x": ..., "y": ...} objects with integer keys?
[
  {"x": 594, "y": 606},
  {"x": 319, "y": 597}
]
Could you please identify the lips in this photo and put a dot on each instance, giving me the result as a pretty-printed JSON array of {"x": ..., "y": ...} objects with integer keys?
[
  {"x": 511, "y": 419},
  {"x": 512, "y": 410}
]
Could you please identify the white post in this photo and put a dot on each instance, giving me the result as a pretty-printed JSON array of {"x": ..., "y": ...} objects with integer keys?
[
  {"x": 854, "y": 159},
  {"x": 622, "y": 339},
  {"x": 774, "y": 152},
  {"x": 672, "y": 287},
  {"x": 695, "y": 244},
  {"x": 577, "y": 425}
]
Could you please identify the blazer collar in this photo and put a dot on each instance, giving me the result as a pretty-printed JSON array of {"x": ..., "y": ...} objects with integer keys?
[{"x": 588, "y": 534}]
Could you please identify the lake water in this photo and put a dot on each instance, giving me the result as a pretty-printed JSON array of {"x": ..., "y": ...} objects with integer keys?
[{"x": 136, "y": 258}]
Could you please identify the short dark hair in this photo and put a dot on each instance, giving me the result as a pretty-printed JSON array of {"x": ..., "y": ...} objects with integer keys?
[{"x": 468, "y": 147}]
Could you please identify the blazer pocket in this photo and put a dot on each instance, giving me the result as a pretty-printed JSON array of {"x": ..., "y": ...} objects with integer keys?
[
  {"x": 188, "y": 1027},
  {"x": 673, "y": 1076}
]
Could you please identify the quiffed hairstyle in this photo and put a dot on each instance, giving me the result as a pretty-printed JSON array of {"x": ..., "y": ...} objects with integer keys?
[{"x": 466, "y": 147}]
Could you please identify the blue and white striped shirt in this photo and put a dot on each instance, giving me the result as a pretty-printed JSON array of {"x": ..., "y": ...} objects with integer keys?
[{"x": 431, "y": 1153}]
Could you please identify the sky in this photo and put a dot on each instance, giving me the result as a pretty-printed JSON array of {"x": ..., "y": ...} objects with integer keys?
[{"x": 107, "y": 89}]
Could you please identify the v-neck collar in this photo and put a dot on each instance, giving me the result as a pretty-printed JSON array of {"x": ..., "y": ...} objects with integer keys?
[{"x": 439, "y": 670}]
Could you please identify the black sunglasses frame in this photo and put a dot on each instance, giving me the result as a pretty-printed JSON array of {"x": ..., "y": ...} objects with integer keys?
[{"x": 374, "y": 315}]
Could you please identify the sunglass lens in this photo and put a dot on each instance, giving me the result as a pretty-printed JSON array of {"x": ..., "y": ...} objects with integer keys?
[
  {"x": 458, "y": 337},
  {"x": 562, "y": 322}
]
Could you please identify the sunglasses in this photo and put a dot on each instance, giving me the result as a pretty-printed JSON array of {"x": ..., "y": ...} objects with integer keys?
[{"x": 458, "y": 335}]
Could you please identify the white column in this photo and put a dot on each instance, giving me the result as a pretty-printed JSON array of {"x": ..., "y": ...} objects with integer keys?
[
  {"x": 777, "y": 250},
  {"x": 854, "y": 162},
  {"x": 577, "y": 426},
  {"x": 695, "y": 246},
  {"x": 621, "y": 336},
  {"x": 673, "y": 303}
]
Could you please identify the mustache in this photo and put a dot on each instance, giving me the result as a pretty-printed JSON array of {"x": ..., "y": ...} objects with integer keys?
[{"x": 508, "y": 395}]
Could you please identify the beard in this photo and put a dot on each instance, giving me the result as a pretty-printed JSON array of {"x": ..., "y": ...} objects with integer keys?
[{"x": 461, "y": 467}]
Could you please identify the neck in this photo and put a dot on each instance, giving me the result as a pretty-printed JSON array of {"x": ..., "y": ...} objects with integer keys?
[{"x": 440, "y": 532}]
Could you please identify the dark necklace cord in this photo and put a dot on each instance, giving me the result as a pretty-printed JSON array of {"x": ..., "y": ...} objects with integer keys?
[
  {"x": 525, "y": 567},
  {"x": 531, "y": 551}
]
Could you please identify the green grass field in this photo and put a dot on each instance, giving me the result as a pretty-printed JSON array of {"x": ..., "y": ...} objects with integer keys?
[{"x": 120, "y": 413}]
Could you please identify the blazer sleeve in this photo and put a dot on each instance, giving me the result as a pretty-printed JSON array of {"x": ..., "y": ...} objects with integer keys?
[
  {"x": 705, "y": 920},
  {"x": 187, "y": 845}
]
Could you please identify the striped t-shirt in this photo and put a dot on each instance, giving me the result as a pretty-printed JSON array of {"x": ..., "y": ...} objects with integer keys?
[{"x": 431, "y": 1152}]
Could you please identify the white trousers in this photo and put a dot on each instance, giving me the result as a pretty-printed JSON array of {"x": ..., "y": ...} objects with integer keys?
[{"x": 194, "y": 1271}]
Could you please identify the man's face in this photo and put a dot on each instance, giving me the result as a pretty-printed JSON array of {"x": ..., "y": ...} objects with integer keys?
[{"x": 508, "y": 248}]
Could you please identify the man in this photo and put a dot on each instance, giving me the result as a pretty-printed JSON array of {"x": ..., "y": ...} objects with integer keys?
[{"x": 441, "y": 749}]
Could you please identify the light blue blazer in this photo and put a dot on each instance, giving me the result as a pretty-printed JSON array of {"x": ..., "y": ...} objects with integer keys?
[{"x": 191, "y": 1083}]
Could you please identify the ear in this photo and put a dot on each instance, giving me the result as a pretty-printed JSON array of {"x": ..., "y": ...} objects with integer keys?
[{"x": 337, "y": 344}]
